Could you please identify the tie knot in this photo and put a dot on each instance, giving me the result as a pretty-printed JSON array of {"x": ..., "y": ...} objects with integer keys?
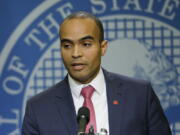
[{"x": 87, "y": 91}]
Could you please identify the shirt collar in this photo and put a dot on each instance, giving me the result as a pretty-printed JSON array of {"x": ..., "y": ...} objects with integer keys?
[{"x": 98, "y": 83}]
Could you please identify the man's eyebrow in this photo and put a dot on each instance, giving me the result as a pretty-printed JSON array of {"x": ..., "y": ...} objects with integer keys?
[
  {"x": 66, "y": 40},
  {"x": 87, "y": 37},
  {"x": 81, "y": 39}
]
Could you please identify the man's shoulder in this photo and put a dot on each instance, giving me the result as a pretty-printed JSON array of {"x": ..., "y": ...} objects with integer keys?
[
  {"x": 131, "y": 86},
  {"x": 124, "y": 79},
  {"x": 48, "y": 94}
]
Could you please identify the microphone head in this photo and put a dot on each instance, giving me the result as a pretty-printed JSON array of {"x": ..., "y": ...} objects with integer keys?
[{"x": 83, "y": 112}]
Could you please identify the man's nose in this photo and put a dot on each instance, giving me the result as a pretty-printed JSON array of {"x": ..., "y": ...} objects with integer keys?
[{"x": 77, "y": 52}]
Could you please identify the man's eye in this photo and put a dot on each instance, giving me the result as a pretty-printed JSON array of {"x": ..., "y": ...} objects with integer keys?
[
  {"x": 67, "y": 46},
  {"x": 86, "y": 44}
]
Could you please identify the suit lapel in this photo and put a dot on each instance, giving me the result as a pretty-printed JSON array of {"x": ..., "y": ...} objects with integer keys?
[
  {"x": 115, "y": 103},
  {"x": 65, "y": 105}
]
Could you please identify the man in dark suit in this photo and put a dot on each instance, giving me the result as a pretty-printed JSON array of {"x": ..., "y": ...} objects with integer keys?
[{"x": 122, "y": 105}]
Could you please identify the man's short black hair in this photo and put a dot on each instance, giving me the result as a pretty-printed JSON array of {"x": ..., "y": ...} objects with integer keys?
[{"x": 82, "y": 14}]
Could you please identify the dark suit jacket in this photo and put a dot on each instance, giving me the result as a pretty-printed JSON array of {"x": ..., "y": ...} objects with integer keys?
[{"x": 138, "y": 113}]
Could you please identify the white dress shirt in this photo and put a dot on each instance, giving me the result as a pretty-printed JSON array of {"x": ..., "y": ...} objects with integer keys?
[{"x": 99, "y": 98}]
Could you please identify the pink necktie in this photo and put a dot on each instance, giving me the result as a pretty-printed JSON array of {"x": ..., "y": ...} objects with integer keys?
[{"x": 87, "y": 94}]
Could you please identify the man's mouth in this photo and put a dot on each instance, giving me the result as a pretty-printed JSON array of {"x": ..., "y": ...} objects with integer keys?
[{"x": 78, "y": 66}]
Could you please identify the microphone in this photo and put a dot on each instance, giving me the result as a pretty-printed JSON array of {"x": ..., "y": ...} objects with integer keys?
[{"x": 83, "y": 119}]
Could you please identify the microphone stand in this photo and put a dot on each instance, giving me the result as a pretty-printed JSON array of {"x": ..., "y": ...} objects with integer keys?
[
  {"x": 103, "y": 131},
  {"x": 91, "y": 132}
]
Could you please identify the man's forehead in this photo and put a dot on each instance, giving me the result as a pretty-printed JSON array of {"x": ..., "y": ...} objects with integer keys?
[
  {"x": 79, "y": 22},
  {"x": 77, "y": 28}
]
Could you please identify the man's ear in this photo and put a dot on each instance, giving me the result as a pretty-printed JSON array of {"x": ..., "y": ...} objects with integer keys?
[{"x": 104, "y": 46}]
